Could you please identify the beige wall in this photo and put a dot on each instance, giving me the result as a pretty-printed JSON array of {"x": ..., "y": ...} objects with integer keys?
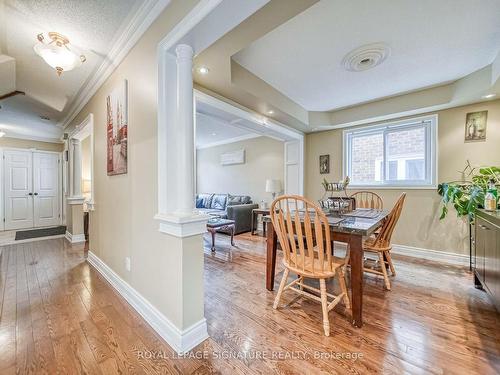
[
  {"x": 122, "y": 224},
  {"x": 25, "y": 143},
  {"x": 264, "y": 159},
  {"x": 419, "y": 225}
]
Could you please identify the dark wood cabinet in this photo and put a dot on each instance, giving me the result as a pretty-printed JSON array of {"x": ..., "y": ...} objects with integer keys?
[{"x": 487, "y": 254}]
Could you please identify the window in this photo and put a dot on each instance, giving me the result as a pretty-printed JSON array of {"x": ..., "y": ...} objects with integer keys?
[{"x": 396, "y": 154}]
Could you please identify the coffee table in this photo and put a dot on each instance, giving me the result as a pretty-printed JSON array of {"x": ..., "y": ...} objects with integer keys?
[{"x": 215, "y": 224}]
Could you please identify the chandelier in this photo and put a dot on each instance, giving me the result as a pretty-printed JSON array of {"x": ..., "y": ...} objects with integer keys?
[{"x": 57, "y": 52}]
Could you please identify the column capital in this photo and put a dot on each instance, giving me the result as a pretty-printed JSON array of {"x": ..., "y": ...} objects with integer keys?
[
  {"x": 184, "y": 52},
  {"x": 75, "y": 141}
]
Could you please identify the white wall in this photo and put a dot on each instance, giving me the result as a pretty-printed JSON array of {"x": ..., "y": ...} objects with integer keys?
[{"x": 264, "y": 159}]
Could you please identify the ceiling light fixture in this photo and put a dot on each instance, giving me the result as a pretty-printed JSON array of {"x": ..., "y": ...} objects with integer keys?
[
  {"x": 270, "y": 112},
  {"x": 489, "y": 96},
  {"x": 214, "y": 134},
  {"x": 57, "y": 53},
  {"x": 2, "y": 134},
  {"x": 203, "y": 70}
]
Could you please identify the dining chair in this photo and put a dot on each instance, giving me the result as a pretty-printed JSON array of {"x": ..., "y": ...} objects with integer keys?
[
  {"x": 381, "y": 242},
  {"x": 368, "y": 199},
  {"x": 303, "y": 232}
]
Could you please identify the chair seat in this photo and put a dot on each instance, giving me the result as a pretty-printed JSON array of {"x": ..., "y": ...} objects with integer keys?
[
  {"x": 301, "y": 269},
  {"x": 370, "y": 245}
]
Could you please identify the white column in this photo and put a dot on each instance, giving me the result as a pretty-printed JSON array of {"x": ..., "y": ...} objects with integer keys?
[
  {"x": 77, "y": 168},
  {"x": 185, "y": 130}
]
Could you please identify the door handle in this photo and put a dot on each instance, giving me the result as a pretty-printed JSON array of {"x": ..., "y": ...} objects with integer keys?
[
  {"x": 35, "y": 194},
  {"x": 30, "y": 193}
]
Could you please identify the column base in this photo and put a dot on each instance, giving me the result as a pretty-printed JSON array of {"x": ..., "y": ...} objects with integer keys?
[
  {"x": 77, "y": 238},
  {"x": 183, "y": 225},
  {"x": 74, "y": 220}
]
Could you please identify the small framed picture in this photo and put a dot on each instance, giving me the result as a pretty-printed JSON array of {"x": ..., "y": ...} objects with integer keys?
[
  {"x": 324, "y": 164},
  {"x": 475, "y": 126}
]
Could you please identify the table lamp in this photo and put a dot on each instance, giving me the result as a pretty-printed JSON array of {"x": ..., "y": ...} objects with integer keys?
[{"x": 273, "y": 187}]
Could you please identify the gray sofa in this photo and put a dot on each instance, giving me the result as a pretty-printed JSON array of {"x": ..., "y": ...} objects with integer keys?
[{"x": 234, "y": 207}]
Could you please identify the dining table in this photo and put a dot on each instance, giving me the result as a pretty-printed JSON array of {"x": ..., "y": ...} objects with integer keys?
[{"x": 349, "y": 228}]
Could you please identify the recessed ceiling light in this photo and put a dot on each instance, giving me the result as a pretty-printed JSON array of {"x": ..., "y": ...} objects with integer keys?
[
  {"x": 214, "y": 133},
  {"x": 203, "y": 70},
  {"x": 2, "y": 134},
  {"x": 489, "y": 96},
  {"x": 270, "y": 112}
]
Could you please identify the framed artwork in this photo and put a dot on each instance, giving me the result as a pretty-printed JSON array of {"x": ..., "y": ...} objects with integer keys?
[
  {"x": 324, "y": 164},
  {"x": 475, "y": 126},
  {"x": 117, "y": 130}
]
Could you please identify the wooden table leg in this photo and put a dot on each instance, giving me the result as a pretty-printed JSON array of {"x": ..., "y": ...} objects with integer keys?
[
  {"x": 356, "y": 249},
  {"x": 232, "y": 227},
  {"x": 213, "y": 240},
  {"x": 271, "y": 255},
  {"x": 253, "y": 223},
  {"x": 264, "y": 227}
]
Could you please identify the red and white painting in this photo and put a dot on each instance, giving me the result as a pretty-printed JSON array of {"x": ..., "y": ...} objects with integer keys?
[{"x": 117, "y": 130}]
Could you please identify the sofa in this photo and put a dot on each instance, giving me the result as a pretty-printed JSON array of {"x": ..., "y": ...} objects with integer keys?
[{"x": 233, "y": 207}]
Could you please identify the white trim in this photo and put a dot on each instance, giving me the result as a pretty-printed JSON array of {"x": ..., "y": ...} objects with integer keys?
[
  {"x": 182, "y": 226},
  {"x": 229, "y": 140},
  {"x": 244, "y": 113},
  {"x": 141, "y": 21},
  {"x": 33, "y": 138},
  {"x": 74, "y": 238},
  {"x": 434, "y": 255},
  {"x": 75, "y": 200},
  {"x": 431, "y": 152},
  {"x": 421, "y": 253},
  {"x": 82, "y": 131},
  {"x": 180, "y": 340}
]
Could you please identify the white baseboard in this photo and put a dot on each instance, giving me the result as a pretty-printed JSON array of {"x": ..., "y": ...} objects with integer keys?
[
  {"x": 75, "y": 238},
  {"x": 427, "y": 254},
  {"x": 434, "y": 255},
  {"x": 182, "y": 341}
]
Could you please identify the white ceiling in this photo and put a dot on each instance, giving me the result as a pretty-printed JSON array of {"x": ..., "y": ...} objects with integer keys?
[
  {"x": 212, "y": 130},
  {"x": 92, "y": 26},
  {"x": 432, "y": 42}
]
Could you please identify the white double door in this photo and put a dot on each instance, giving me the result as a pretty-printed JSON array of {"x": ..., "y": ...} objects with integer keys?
[{"x": 31, "y": 189}]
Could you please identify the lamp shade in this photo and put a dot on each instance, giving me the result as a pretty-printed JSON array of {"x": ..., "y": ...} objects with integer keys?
[{"x": 273, "y": 186}]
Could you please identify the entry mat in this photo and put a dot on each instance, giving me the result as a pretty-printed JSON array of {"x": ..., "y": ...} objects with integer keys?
[{"x": 43, "y": 232}]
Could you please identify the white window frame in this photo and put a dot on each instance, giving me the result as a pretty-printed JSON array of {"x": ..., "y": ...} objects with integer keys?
[{"x": 431, "y": 124}]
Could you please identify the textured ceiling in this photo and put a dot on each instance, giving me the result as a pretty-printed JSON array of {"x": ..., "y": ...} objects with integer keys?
[
  {"x": 432, "y": 42},
  {"x": 92, "y": 26}
]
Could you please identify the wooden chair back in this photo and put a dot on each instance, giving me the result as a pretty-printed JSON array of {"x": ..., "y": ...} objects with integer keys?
[
  {"x": 383, "y": 238},
  {"x": 368, "y": 199},
  {"x": 303, "y": 233}
]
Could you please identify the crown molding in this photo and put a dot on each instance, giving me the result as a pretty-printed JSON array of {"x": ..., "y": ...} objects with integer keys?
[
  {"x": 140, "y": 22},
  {"x": 33, "y": 138}
]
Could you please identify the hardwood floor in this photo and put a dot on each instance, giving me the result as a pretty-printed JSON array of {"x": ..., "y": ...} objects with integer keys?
[{"x": 59, "y": 316}]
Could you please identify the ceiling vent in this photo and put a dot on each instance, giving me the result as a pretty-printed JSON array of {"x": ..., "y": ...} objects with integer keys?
[{"x": 366, "y": 57}]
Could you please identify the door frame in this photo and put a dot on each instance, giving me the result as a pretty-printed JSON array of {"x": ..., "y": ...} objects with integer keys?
[
  {"x": 2, "y": 171},
  {"x": 82, "y": 131},
  {"x": 261, "y": 126}
]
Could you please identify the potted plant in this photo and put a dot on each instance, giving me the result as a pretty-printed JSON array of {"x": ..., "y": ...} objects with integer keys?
[{"x": 467, "y": 195}]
